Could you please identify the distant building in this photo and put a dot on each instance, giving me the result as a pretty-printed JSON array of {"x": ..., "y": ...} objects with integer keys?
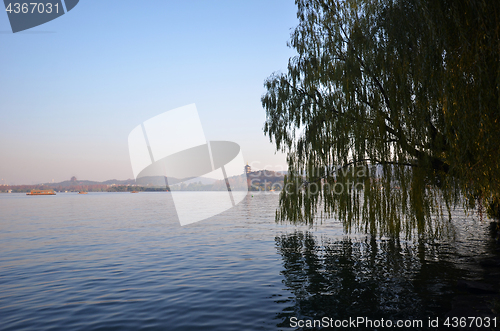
[
  {"x": 73, "y": 179},
  {"x": 248, "y": 170}
]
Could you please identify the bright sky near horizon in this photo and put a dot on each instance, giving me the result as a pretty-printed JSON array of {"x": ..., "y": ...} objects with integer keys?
[{"x": 71, "y": 90}]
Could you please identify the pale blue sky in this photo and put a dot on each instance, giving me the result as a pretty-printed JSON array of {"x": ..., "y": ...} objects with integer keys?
[{"x": 71, "y": 90}]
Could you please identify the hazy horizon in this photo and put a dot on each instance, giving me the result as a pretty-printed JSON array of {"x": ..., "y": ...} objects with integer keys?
[{"x": 122, "y": 179}]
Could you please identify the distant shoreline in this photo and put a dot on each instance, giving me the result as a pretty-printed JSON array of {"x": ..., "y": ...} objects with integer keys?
[{"x": 261, "y": 180}]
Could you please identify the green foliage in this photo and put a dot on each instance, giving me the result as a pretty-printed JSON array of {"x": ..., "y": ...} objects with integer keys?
[
  {"x": 406, "y": 89},
  {"x": 493, "y": 208}
]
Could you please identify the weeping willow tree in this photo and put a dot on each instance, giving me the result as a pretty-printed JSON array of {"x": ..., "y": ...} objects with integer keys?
[{"x": 389, "y": 113}]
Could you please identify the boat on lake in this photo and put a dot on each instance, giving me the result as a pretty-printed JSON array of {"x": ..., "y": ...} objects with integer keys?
[
  {"x": 83, "y": 192},
  {"x": 41, "y": 192}
]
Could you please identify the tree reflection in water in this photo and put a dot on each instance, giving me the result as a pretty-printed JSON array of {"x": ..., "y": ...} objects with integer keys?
[{"x": 369, "y": 277}]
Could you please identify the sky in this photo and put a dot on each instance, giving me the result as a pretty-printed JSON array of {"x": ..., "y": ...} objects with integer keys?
[{"x": 72, "y": 89}]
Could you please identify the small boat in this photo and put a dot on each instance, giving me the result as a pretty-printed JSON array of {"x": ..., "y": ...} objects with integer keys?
[
  {"x": 83, "y": 192},
  {"x": 41, "y": 192},
  {"x": 134, "y": 191}
]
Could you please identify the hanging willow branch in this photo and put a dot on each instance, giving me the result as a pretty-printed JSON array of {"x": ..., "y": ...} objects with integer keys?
[{"x": 397, "y": 103}]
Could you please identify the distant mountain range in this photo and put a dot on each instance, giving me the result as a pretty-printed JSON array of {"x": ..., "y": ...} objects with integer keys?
[
  {"x": 143, "y": 181},
  {"x": 254, "y": 180}
]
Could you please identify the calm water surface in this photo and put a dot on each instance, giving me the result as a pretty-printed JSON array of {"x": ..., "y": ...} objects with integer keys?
[{"x": 121, "y": 261}]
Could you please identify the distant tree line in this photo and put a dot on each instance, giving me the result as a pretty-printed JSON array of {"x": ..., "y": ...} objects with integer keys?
[{"x": 129, "y": 188}]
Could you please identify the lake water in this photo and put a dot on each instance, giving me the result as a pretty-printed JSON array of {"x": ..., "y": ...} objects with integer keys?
[{"x": 120, "y": 261}]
